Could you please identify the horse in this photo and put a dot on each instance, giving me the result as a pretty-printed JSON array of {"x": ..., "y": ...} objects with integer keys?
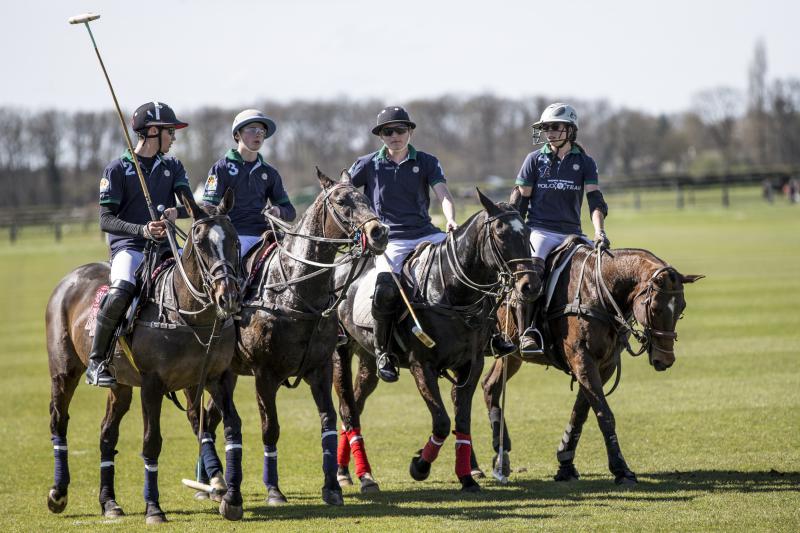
[
  {"x": 288, "y": 327},
  {"x": 182, "y": 333},
  {"x": 587, "y": 325},
  {"x": 460, "y": 282}
]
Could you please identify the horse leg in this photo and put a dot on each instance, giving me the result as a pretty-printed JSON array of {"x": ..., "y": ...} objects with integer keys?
[
  {"x": 152, "y": 395},
  {"x": 320, "y": 381},
  {"x": 351, "y": 439},
  {"x": 426, "y": 379},
  {"x": 118, "y": 403},
  {"x": 591, "y": 384},
  {"x": 222, "y": 395},
  {"x": 209, "y": 466},
  {"x": 62, "y": 388},
  {"x": 469, "y": 374},
  {"x": 569, "y": 441},
  {"x": 266, "y": 392},
  {"x": 492, "y": 384}
]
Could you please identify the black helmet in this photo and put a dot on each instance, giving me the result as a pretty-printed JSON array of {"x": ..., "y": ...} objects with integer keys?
[
  {"x": 392, "y": 114},
  {"x": 155, "y": 114}
]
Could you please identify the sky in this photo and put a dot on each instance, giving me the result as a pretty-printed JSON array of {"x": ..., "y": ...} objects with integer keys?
[{"x": 639, "y": 54}]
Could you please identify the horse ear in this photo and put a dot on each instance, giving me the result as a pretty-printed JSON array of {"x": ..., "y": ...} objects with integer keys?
[
  {"x": 691, "y": 278},
  {"x": 345, "y": 177},
  {"x": 227, "y": 202},
  {"x": 191, "y": 206},
  {"x": 324, "y": 180},
  {"x": 492, "y": 208}
]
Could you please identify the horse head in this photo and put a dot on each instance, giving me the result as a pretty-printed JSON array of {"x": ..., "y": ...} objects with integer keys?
[
  {"x": 658, "y": 306},
  {"x": 214, "y": 245},
  {"x": 348, "y": 214},
  {"x": 507, "y": 248}
]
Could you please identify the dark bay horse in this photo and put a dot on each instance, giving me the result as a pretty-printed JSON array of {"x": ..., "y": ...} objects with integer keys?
[
  {"x": 589, "y": 320},
  {"x": 183, "y": 332},
  {"x": 288, "y": 322},
  {"x": 460, "y": 281}
]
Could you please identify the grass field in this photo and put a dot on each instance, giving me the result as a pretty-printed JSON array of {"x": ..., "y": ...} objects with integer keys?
[{"x": 715, "y": 440}]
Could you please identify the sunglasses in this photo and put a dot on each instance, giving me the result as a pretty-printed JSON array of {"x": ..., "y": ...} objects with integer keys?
[
  {"x": 254, "y": 130},
  {"x": 400, "y": 130},
  {"x": 170, "y": 131},
  {"x": 552, "y": 127}
]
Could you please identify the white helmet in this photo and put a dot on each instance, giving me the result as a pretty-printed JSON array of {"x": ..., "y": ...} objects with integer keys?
[
  {"x": 558, "y": 112},
  {"x": 248, "y": 116}
]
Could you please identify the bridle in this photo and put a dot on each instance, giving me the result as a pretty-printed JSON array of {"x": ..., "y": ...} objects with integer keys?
[
  {"x": 353, "y": 247},
  {"x": 649, "y": 333},
  {"x": 506, "y": 277},
  {"x": 221, "y": 269}
]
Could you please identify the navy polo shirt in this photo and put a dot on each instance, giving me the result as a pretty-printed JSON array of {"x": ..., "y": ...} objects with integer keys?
[
  {"x": 120, "y": 187},
  {"x": 253, "y": 183},
  {"x": 558, "y": 187},
  {"x": 399, "y": 193}
]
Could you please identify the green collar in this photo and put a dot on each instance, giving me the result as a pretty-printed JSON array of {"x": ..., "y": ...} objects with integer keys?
[
  {"x": 234, "y": 155},
  {"x": 126, "y": 155},
  {"x": 574, "y": 150},
  {"x": 383, "y": 153}
]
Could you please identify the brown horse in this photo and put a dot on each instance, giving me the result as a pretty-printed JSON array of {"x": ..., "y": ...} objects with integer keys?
[
  {"x": 460, "y": 281},
  {"x": 180, "y": 333},
  {"x": 288, "y": 322},
  {"x": 585, "y": 334}
]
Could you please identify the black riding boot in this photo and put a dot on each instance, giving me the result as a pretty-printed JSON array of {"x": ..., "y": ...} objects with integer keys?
[
  {"x": 384, "y": 304},
  {"x": 111, "y": 311},
  {"x": 501, "y": 346}
]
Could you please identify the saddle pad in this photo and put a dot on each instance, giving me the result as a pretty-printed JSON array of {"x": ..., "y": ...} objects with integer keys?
[
  {"x": 102, "y": 290},
  {"x": 362, "y": 306}
]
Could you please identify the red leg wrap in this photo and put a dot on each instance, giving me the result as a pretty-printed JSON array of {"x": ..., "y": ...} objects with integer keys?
[
  {"x": 431, "y": 449},
  {"x": 356, "y": 442},
  {"x": 463, "y": 452},
  {"x": 343, "y": 452}
]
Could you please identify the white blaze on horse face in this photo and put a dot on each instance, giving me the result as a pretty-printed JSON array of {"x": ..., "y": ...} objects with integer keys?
[
  {"x": 671, "y": 305},
  {"x": 517, "y": 226},
  {"x": 217, "y": 237}
]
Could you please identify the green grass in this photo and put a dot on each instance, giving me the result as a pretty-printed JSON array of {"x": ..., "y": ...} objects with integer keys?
[{"x": 715, "y": 440}]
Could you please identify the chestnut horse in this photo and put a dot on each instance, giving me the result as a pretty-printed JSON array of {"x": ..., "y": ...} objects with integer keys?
[
  {"x": 180, "y": 333},
  {"x": 588, "y": 324},
  {"x": 460, "y": 281}
]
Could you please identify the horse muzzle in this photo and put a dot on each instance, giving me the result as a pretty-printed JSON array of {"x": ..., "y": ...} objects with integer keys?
[
  {"x": 660, "y": 358},
  {"x": 227, "y": 299},
  {"x": 377, "y": 236}
]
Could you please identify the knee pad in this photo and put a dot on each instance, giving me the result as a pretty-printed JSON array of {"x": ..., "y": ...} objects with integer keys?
[
  {"x": 384, "y": 301},
  {"x": 119, "y": 296}
]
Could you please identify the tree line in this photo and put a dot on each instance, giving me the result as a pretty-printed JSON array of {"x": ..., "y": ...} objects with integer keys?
[{"x": 56, "y": 157}]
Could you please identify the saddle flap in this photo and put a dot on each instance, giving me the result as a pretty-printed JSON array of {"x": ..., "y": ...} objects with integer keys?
[
  {"x": 557, "y": 261},
  {"x": 408, "y": 274},
  {"x": 362, "y": 306}
]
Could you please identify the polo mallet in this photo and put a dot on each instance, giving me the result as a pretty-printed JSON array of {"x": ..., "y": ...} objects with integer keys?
[
  {"x": 423, "y": 337},
  {"x": 85, "y": 19},
  {"x": 497, "y": 471}
]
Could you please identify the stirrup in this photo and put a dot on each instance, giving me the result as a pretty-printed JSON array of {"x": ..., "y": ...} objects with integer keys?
[
  {"x": 387, "y": 370},
  {"x": 101, "y": 376},
  {"x": 532, "y": 347}
]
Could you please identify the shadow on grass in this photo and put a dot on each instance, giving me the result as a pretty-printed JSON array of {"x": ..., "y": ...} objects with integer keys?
[{"x": 526, "y": 499}]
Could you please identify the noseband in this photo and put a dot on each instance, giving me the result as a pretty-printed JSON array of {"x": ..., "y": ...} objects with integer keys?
[{"x": 648, "y": 331}]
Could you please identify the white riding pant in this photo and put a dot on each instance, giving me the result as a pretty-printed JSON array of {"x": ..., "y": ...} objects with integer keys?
[
  {"x": 124, "y": 265},
  {"x": 398, "y": 249},
  {"x": 544, "y": 241},
  {"x": 246, "y": 242}
]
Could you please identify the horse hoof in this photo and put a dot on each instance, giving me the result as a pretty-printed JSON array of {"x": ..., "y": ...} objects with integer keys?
[
  {"x": 343, "y": 477},
  {"x": 230, "y": 511},
  {"x": 275, "y": 497},
  {"x": 332, "y": 497},
  {"x": 477, "y": 473},
  {"x": 154, "y": 515},
  {"x": 111, "y": 509},
  {"x": 567, "y": 473},
  {"x": 420, "y": 469},
  {"x": 506, "y": 470},
  {"x": 201, "y": 495},
  {"x": 56, "y": 500},
  {"x": 627, "y": 478},
  {"x": 368, "y": 484},
  {"x": 468, "y": 484}
]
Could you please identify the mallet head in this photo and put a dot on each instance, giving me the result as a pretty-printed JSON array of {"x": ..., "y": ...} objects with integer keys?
[{"x": 84, "y": 18}]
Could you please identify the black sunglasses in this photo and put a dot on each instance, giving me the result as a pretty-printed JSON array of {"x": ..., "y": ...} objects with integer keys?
[
  {"x": 170, "y": 131},
  {"x": 551, "y": 127},
  {"x": 400, "y": 130}
]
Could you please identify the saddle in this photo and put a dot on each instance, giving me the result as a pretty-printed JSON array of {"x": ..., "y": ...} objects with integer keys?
[{"x": 254, "y": 260}]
